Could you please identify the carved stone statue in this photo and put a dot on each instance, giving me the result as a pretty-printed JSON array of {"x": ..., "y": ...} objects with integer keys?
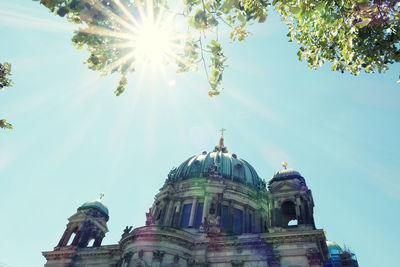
[
  {"x": 158, "y": 255},
  {"x": 204, "y": 226},
  {"x": 149, "y": 218},
  {"x": 127, "y": 230},
  {"x": 171, "y": 173},
  {"x": 213, "y": 226}
]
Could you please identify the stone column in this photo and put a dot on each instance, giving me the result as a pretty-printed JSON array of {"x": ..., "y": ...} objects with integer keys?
[
  {"x": 230, "y": 217},
  {"x": 168, "y": 215},
  {"x": 303, "y": 213},
  {"x": 205, "y": 207},
  {"x": 164, "y": 207},
  {"x": 261, "y": 223},
  {"x": 193, "y": 211},
  {"x": 98, "y": 239},
  {"x": 177, "y": 213},
  {"x": 65, "y": 238},
  {"x": 253, "y": 221},
  {"x": 277, "y": 218},
  {"x": 154, "y": 209},
  {"x": 298, "y": 214},
  {"x": 256, "y": 221},
  {"x": 76, "y": 238},
  {"x": 245, "y": 219}
]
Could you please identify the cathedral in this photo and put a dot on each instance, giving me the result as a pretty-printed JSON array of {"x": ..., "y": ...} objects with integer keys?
[{"x": 213, "y": 210}]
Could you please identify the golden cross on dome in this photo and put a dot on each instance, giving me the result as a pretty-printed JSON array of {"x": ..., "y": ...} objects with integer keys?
[
  {"x": 220, "y": 146},
  {"x": 101, "y": 195}
]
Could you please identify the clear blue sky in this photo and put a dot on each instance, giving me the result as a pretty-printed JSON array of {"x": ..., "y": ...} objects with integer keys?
[{"x": 74, "y": 139}]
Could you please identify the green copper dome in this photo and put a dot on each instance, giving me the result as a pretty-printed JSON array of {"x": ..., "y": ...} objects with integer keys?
[
  {"x": 97, "y": 204},
  {"x": 287, "y": 174},
  {"x": 220, "y": 163},
  {"x": 334, "y": 248}
]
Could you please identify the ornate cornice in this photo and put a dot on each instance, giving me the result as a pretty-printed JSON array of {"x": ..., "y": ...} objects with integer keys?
[
  {"x": 155, "y": 233},
  {"x": 74, "y": 252}
]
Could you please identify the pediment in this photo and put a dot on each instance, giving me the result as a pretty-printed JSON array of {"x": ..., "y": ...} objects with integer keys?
[{"x": 79, "y": 216}]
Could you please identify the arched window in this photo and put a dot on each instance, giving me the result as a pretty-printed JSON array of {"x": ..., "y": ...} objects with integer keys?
[
  {"x": 288, "y": 212},
  {"x": 186, "y": 215},
  {"x": 224, "y": 218},
  {"x": 237, "y": 221},
  {"x": 90, "y": 243},
  {"x": 71, "y": 239},
  {"x": 198, "y": 215}
]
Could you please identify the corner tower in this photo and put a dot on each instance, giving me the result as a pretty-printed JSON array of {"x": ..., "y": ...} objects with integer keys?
[
  {"x": 292, "y": 200},
  {"x": 88, "y": 224},
  {"x": 82, "y": 238}
]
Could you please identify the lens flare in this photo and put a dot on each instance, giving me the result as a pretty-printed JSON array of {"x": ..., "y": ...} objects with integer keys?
[
  {"x": 153, "y": 43},
  {"x": 143, "y": 34}
]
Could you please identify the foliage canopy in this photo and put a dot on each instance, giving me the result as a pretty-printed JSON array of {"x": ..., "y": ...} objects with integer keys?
[
  {"x": 353, "y": 35},
  {"x": 5, "y": 81}
]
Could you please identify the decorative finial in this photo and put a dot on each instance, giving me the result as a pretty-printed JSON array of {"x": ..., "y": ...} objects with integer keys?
[
  {"x": 284, "y": 164},
  {"x": 221, "y": 146},
  {"x": 101, "y": 195}
]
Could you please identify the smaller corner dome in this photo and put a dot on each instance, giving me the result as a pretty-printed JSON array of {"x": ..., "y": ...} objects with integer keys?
[
  {"x": 333, "y": 247},
  {"x": 97, "y": 204},
  {"x": 286, "y": 173}
]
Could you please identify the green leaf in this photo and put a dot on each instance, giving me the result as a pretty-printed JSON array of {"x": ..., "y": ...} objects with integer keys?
[
  {"x": 348, "y": 33},
  {"x": 121, "y": 87},
  {"x": 295, "y": 10},
  {"x": 320, "y": 7},
  {"x": 62, "y": 11},
  {"x": 5, "y": 73},
  {"x": 5, "y": 125},
  {"x": 364, "y": 22}
]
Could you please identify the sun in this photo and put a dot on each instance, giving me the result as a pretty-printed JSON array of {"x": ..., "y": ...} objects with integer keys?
[
  {"x": 152, "y": 36},
  {"x": 141, "y": 35},
  {"x": 153, "y": 43}
]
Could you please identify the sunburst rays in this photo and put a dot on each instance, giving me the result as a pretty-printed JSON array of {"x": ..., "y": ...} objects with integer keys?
[{"x": 146, "y": 31}]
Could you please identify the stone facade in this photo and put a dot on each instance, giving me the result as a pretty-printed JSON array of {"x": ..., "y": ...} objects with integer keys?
[{"x": 213, "y": 210}]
